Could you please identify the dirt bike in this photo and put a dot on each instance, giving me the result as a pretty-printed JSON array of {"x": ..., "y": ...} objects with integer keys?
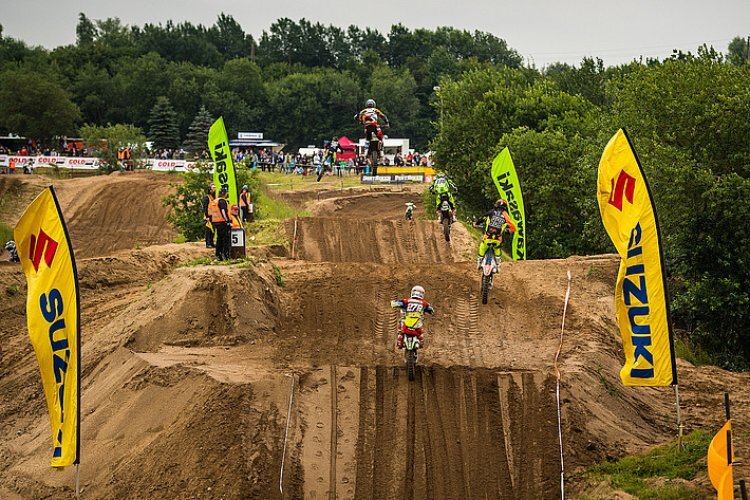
[
  {"x": 409, "y": 214},
  {"x": 411, "y": 324},
  {"x": 325, "y": 166},
  {"x": 373, "y": 153},
  {"x": 446, "y": 219},
  {"x": 373, "y": 148},
  {"x": 489, "y": 268}
]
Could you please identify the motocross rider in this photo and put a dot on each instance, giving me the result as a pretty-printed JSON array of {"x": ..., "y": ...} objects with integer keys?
[
  {"x": 415, "y": 307},
  {"x": 370, "y": 118},
  {"x": 496, "y": 221},
  {"x": 443, "y": 189},
  {"x": 410, "y": 206}
]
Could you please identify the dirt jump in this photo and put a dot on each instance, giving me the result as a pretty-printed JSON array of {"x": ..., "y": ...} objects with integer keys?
[{"x": 279, "y": 377}]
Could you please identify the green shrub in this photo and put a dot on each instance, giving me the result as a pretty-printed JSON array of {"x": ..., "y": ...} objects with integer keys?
[
  {"x": 6, "y": 233},
  {"x": 186, "y": 202}
]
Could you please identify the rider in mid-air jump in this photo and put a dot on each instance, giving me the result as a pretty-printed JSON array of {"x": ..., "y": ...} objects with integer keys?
[
  {"x": 495, "y": 221},
  {"x": 414, "y": 307},
  {"x": 370, "y": 119}
]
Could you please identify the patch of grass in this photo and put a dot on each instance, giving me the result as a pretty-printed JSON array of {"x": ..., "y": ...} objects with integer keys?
[
  {"x": 694, "y": 355},
  {"x": 266, "y": 232},
  {"x": 271, "y": 207},
  {"x": 180, "y": 238},
  {"x": 276, "y": 181},
  {"x": 648, "y": 476},
  {"x": 210, "y": 261},
  {"x": 277, "y": 274},
  {"x": 609, "y": 386},
  {"x": 6, "y": 233},
  {"x": 12, "y": 290}
]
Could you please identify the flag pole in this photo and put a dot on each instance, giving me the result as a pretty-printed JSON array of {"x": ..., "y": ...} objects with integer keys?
[
  {"x": 729, "y": 432},
  {"x": 679, "y": 419},
  {"x": 78, "y": 481},
  {"x": 743, "y": 489},
  {"x": 726, "y": 405}
]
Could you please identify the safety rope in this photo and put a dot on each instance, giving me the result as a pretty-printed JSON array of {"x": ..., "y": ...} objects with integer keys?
[{"x": 557, "y": 375}]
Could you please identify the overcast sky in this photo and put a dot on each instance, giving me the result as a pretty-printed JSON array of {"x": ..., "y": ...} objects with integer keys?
[{"x": 542, "y": 31}]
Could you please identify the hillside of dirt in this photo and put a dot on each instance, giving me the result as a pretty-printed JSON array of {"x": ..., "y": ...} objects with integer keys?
[
  {"x": 189, "y": 370},
  {"x": 103, "y": 214}
]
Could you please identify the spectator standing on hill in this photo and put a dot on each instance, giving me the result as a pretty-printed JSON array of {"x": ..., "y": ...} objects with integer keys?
[
  {"x": 246, "y": 206},
  {"x": 219, "y": 212},
  {"x": 207, "y": 201}
]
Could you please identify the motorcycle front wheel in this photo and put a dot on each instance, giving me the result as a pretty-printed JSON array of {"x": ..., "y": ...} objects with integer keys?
[{"x": 486, "y": 283}]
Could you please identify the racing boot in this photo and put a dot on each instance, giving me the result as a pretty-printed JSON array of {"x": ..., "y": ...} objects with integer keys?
[
  {"x": 454, "y": 216},
  {"x": 479, "y": 263},
  {"x": 400, "y": 341},
  {"x": 497, "y": 263},
  {"x": 421, "y": 340}
]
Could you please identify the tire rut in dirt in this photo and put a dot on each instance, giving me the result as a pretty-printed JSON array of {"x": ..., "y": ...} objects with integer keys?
[
  {"x": 334, "y": 434},
  {"x": 324, "y": 239},
  {"x": 456, "y": 433}
]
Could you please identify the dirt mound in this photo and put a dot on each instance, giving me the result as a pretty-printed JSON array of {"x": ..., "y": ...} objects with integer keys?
[
  {"x": 104, "y": 214},
  {"x": 383, "y": 241},
  {"x": 381, "y": 206},
  {"x": 318, "y": 192},
  {"x": 203, "y": 306}
]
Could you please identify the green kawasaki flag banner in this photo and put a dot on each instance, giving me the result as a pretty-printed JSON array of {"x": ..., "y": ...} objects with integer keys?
[
  {"x": 506, "y": 180},
  {"x": 218, "y": 144}
]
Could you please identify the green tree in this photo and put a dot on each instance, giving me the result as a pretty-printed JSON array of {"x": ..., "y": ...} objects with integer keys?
[
  {"x": 85, "y": 31},
  {"x": 310, "y": 107},
  {"x": 196, "y": 141},
  {"x": 394, "y": 92},
  {"x": 163, "y": 131},
  {"x": 34, "y": 106},
  {"x": 738, "y": 52},
  {"x": 106, "y": 141}
]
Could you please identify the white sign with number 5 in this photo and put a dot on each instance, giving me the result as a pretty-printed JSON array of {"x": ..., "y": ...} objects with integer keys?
[{"x": 238, "y": 237}]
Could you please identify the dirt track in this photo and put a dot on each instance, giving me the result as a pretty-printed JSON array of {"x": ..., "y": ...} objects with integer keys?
[
  {"x": 187, "y": 370},
  {"x": 103, "y": 215}
]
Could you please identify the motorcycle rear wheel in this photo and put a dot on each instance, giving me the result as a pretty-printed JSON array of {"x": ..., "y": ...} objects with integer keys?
[
  {"x": 411, "y": 363},
  {"x": 447, "y": 227}
]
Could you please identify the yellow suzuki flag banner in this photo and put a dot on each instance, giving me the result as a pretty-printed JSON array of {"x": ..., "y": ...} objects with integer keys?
[
  {"x": 719, "y": 464},
  {"x": 218, "y": 145},
  {"x": 53, "y": 318},
  {"x": 641, "y": 301}
]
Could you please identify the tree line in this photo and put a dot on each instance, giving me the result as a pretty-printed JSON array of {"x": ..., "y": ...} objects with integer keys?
[{"x": 300, "y": 83}]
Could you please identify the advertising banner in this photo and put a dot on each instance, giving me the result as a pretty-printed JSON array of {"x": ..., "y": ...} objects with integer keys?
[
  {"x": 218, "y": 145},
  {"x": 392, "y": 179},
  {"x": 506, "y": 180},
  {"x": 641, "y": 301},
  {"x": 52, "y": 310}
]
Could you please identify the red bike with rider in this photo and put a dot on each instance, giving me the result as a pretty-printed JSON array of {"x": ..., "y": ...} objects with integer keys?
[
  {"x": 412, "y": 323},
  {"x": 370, "y": 118}
]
